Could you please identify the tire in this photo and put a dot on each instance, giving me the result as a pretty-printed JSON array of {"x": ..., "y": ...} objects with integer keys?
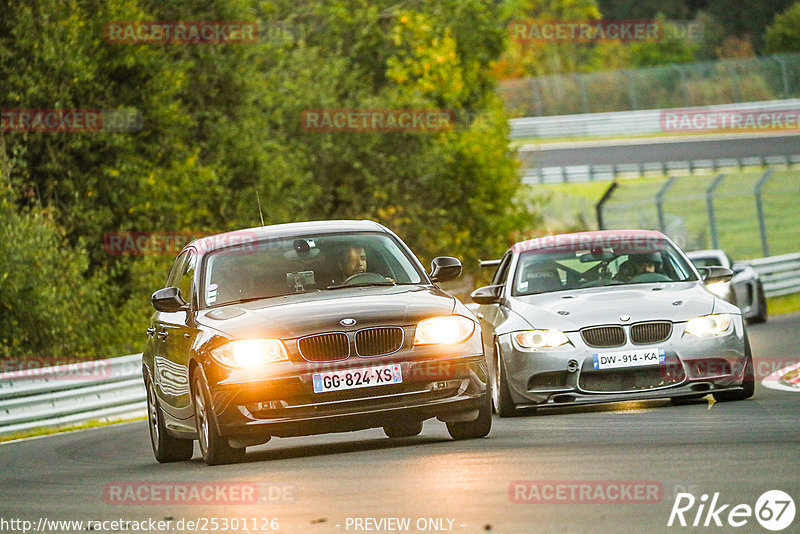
[
  {"x": 403, "y": 429},
  {"x": 762, "y": 306},
  {"x": 215, "y": 448},
  {"x": 165, "y": 447},
  {"x": 480, "y": 427},
  {"x": 748, "y": 385},
  {"x": 501, "y": 396}
]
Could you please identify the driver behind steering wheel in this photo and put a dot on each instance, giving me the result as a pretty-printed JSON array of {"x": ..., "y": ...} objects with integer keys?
[{"x": 352, "y": 261}]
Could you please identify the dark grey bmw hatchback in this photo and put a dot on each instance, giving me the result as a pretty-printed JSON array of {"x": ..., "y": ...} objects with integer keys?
[{"x": 308, "y": 328}]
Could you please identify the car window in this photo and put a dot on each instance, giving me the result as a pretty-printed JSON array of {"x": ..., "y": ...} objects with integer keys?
[
  {"x": 187, "y": 276},
  {"x": 708, "y": 261},
  {"x": 546, "y": 271},
  {"x": 502, "y": 270},
  {"x": 176, "y": 270},
  {"x": 285, "y": 266}
]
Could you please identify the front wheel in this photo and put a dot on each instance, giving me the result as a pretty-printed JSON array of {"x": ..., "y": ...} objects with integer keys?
[
  {"x": 761, "y": 300},
  {"x": 165, "y": 447},
  {"x": 480, "y": 427},
  {"x": 501, "y": 397},
  {"x": 215, "y": 448},
  {"x": 748, "y": 384}
]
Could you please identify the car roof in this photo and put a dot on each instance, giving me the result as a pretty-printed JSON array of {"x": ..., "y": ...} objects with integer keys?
[{"x": 277, "y": 231}]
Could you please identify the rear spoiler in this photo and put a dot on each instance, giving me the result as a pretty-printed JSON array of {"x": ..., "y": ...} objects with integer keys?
[{"x": 490, "y": 263}]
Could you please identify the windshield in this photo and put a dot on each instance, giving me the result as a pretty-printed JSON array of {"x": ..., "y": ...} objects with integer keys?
[
  {"x": 543, "y": 271},
  {"x": 286, "y": 266}
]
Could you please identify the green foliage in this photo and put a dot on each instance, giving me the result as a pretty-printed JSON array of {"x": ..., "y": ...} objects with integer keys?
[
  {"x": 222, "y": 122},
  {"x": 783, "y": 35}
]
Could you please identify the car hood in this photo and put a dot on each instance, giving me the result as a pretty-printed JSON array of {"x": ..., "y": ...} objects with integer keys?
[
  {"x": 576, "y": 309},
  {"x": 299, "y": 315}
]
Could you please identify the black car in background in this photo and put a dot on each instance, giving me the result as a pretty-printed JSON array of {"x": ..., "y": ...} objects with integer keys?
[{"x": 308, "y": 328}]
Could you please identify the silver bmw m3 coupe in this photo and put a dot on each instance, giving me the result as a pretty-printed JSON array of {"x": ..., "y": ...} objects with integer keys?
[{"x": 609, "y": 316}]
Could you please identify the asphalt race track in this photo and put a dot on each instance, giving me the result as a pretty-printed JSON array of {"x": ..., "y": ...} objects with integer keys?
[
  {"x": 326, "y": 483},
  {"x": 613, "y": 152}
]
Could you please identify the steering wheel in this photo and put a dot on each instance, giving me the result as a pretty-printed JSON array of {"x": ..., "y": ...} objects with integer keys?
[{"x": 363, "y": 278}]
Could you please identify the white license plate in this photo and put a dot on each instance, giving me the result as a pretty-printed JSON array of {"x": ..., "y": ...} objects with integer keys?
[
  {"x": 628, "y": 358},
  {"x": 357, "y": 378}
]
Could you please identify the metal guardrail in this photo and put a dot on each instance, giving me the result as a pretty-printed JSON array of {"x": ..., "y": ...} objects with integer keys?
[
  {"x": 589, "y": 173},
  {"x": 779, "y": 274},
  {"x": 640, "y": 122},
  {"x": 49, "y": 397}
]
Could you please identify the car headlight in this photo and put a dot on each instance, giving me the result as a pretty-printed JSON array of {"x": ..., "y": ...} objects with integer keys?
[
  {"x": 250, "y": 352},
  {"x": 720, "y": 289},
  {"x": 709, "y": 325},
  {"x": 540, "y": 339},
  {"x": 444, "y": 330}
]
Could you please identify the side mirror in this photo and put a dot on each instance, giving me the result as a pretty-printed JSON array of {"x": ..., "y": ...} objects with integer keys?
[
  {"x": 486, "y": 295},
  {"x": 714, "y": 273},
  {"x": 445, "y": 268},
  {"x": 168, "y": 300}
]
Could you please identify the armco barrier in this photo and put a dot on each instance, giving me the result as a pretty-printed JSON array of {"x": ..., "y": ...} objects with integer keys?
[
  {"x": 640, "y": 122},
  {"x": 49, "y": 397},
  {"x": 589, "y": 173},
  {"x": 779, "y": 274}
]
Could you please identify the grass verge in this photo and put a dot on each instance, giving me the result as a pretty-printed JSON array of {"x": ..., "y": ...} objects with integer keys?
[
  {"x": 66, "y": 428},
  {"x": 784, "y": 304}
]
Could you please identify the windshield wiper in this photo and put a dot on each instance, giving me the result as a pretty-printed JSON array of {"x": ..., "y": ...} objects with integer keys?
[{"x": 364, "y": 284}]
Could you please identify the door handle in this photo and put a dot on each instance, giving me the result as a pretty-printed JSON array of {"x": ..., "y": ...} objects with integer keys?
[
  {"x": 163, "y": 334},
  {"x": 151, "y": 331},
  {"x": 187, "y": 336}
]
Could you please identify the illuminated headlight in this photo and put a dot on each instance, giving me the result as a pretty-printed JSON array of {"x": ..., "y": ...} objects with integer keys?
[
  {"x": 720, "y": 289},
  {"x": 250, "y": 352},
  {"x": 445, "y": 330},
  {"x": 709, "y": 325},
  {"x": 540, "y": 339}
]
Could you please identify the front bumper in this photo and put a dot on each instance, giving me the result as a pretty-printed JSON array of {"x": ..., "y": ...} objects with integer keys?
[
  {"x": 286, "y": 405},
  {"x": 566, "y": 375}
]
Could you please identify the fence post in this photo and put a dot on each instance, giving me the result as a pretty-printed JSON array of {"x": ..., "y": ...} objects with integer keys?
[
  {"x": 537, "y": 95},
  {"x": 662, "y": 225},
  {"x": 762, "y": 223},
  {"x": 784, "y": 78},
  {"x": 712, "y": 219},
  {"x": 584, "y": 94},
  {"x": 631, "y": 85},
  {"x": 599, "y": 207}
]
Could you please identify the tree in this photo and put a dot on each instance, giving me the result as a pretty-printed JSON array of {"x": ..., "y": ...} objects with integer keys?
[{"x": 783, "y": 35}]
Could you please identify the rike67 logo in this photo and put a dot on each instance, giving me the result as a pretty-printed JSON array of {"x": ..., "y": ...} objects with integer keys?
[{"x": 774, "y": 510}]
